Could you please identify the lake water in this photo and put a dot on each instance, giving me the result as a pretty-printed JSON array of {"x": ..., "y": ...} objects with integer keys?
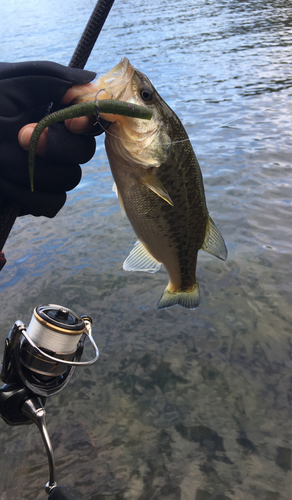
[{"x": 182, "y": 405}]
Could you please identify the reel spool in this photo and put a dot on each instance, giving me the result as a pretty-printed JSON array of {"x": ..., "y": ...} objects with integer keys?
[{"x": 53, "y": 331}]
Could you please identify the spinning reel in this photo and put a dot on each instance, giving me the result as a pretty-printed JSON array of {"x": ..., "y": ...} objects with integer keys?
[{"x": 38, "y": 362}]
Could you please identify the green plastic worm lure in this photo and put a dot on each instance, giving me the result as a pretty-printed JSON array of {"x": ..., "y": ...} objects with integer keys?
[{"x": 83, "y": 109}]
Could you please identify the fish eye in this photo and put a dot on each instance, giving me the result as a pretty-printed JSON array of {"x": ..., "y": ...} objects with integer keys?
[{"x": 146, "y": 94}]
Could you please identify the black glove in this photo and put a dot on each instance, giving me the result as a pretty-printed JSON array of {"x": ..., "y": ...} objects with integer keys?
[{"x": 27, "y": 91}]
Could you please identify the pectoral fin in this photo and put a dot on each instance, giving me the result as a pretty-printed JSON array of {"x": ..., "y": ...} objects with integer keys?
[
  {"x": 152, "y": 182},
  {"x": 141, "y": 260},
  {"x": 121, "y": 203},
  {"x": 213, "y": 242}
]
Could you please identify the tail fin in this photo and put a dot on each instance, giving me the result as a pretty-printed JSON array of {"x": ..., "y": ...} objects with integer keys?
[{"x": 189, "y": 299}]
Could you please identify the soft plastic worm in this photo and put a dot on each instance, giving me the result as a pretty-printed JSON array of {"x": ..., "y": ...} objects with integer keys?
[{"x": 83, "y": 109}]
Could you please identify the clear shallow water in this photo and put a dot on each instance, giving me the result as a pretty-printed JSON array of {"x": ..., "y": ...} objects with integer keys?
[{"x": 182, "y": 405}]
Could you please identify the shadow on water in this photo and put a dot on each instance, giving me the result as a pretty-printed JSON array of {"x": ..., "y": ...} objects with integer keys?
[{"x": 182, "y": 405}]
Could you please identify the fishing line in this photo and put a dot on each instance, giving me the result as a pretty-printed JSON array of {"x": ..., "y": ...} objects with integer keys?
[
  {"x": 115, "y": 277},
  {"x": 131, "y": 242},
  {"x": 46, "y": 336},
  {"x": 117, "y": 137},
  {"x": 176, "y": 142},
  {"x": 224, "y": 124}
]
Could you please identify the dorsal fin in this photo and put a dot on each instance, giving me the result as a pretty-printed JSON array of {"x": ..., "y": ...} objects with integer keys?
[
  {"x": 140, "y": 259},
  {"x": 213, "y": 242}
]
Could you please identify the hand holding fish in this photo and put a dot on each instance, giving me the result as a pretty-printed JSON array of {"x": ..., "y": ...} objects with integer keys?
[
  {"x": 28, "y": 90},
  {"x": 79, "y": 125},
  {"x": 79, "y": 110}
]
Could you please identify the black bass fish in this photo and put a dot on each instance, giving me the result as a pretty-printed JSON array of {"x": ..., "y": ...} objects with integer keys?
[{"x": 159, "y": 185}]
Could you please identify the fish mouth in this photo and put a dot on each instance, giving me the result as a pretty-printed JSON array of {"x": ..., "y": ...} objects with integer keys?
[
  {"x": 137, "y": 143},
  {"x": 116, "y": 83}
]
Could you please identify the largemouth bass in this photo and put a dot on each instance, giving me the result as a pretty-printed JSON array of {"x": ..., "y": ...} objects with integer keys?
[{"x": 159, "y": 184}]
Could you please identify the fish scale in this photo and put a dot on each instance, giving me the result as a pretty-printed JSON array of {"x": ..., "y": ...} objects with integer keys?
[{"x": 186, "y": 223}]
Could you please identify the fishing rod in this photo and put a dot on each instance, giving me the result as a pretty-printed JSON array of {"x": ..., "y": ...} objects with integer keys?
[
  {"x": 40, "y": 360},
  {"x": 80, "y": 57},
  {"x": 8, "y": 216},
  {"x": 91, "y": 33}
]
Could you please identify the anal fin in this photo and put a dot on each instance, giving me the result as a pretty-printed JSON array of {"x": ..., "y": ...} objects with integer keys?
[
  {"x": 140, "y": 259},
  {"x": 213, "y": 242}
]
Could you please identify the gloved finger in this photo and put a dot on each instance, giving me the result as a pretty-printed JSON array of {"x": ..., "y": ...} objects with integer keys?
[
  {"x": 49, "y": 175},
  {"x": 31, "y": 84},
  {"x": 81, "y": 125},
  {"x": 63, "y": 147},
  {"x": 24, "y": 136},
  {"x": 78, "y": 90},
  {"x": 88, "y": 125}
]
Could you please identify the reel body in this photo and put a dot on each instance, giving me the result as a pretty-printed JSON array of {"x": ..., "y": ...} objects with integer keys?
[
  {"x": 43, "y": 357},
  {"x": 38, "y": 362}
]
